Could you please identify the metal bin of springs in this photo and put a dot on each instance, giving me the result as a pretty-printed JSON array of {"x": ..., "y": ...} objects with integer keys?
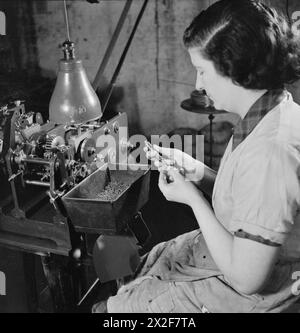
[{"x": 91, "y": 213}]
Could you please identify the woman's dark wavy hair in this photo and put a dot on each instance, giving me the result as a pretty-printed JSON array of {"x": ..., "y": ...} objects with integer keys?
[{"x": 248, "y": 42}]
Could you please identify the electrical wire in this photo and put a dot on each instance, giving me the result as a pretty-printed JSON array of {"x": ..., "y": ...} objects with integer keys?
[{"x": 67, "y": 21}]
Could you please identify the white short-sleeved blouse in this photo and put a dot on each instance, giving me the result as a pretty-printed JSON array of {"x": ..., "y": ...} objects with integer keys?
[{"x": 257, "y": 189}]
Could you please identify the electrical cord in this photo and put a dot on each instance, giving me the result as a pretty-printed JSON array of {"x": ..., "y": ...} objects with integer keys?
[{"x": 66, "y": 21}]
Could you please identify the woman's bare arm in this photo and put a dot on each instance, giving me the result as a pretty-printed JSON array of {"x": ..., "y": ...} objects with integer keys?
[
  {"x": 206, "y": 184},
  {"x": 246, "y": 264}
]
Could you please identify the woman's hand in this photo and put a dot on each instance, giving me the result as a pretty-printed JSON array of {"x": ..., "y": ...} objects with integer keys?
[
  {"x": 193, "y": 169},
  {"x": 175, "y": 187}
]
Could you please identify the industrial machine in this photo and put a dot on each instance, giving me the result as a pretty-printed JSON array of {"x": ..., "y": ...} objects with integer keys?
[
  {"x": 44, "y": 163},
  {"x": 50, "y": 158}
]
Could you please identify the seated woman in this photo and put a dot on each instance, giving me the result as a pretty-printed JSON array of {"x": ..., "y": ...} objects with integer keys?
[{"x": 246, "y": 253}]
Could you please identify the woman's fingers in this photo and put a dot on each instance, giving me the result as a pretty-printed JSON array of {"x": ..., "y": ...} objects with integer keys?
[
  {"x": 150, "y": 153},
  {"x": 166, "y": 152},
  {"x": 158, "y": 160},
  {"x": 164, "y": 167},
  {"x": 165, "y": 177}
]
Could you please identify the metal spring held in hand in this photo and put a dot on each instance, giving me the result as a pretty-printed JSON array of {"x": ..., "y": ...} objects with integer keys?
[{"x": 162, "y": 160}]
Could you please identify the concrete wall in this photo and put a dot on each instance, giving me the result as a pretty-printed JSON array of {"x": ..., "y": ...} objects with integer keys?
[{"x": 157, "y": 74}]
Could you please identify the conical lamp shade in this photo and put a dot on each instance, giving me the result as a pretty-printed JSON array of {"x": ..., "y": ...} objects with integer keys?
[{"x": 74, "y": 100}]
